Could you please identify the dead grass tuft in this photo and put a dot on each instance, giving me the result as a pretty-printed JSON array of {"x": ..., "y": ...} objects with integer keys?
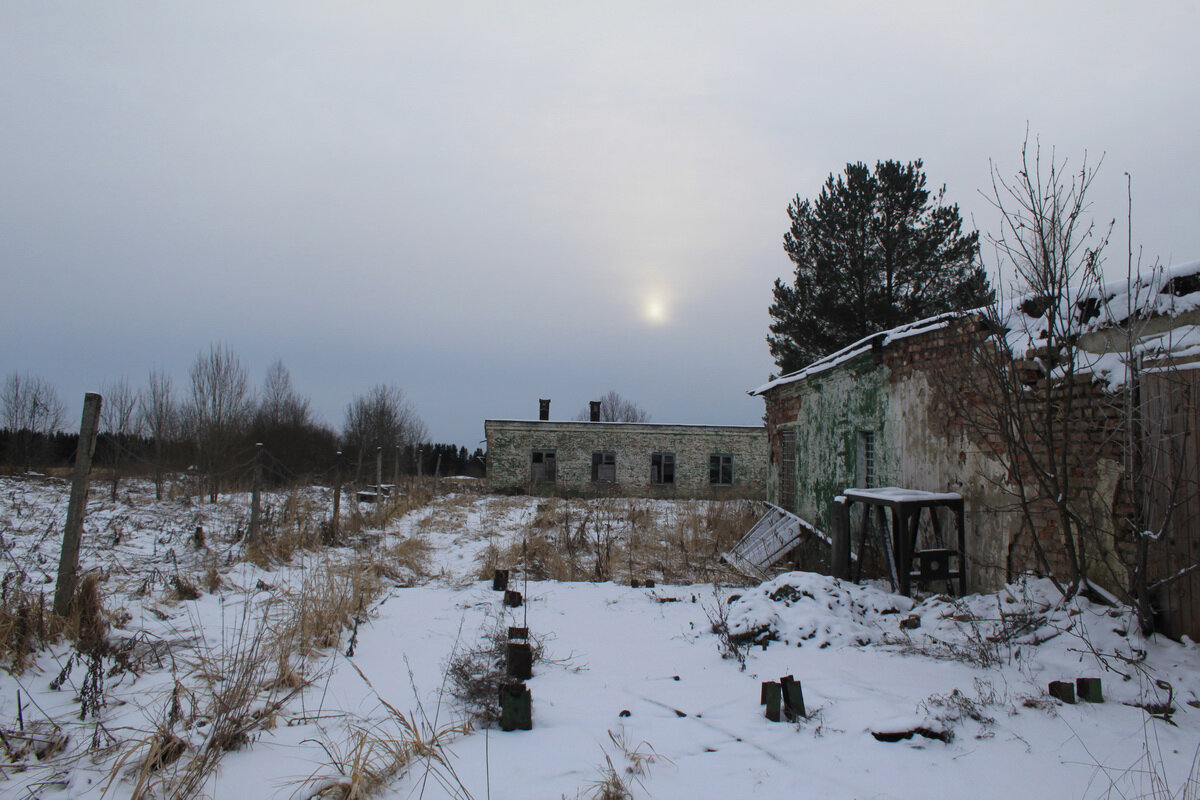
[
  {"x": 26, "y": 623},
  {"x": 400, "y": 559},
  {"x": 37, "y": 741},
  {"x": 184, "y": 589},
  {"x": 376, "y": 754},
  {"x": 317, "y": 614},
  {"x": 241, "y": 689},
  {"x": 617, "y": 784}
]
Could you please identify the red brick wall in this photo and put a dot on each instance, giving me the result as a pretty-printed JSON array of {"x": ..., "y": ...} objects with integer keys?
[{"x": 963, "y": 402}]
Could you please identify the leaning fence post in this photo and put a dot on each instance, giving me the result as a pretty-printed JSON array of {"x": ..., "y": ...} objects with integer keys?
[{"x": 68, "y": 560}]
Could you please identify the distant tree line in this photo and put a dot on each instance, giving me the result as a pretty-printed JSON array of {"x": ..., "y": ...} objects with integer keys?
[{"x": 209, "y": 429}]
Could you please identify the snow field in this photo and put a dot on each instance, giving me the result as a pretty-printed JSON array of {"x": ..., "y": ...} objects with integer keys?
[{"x": 694, "y": 728}]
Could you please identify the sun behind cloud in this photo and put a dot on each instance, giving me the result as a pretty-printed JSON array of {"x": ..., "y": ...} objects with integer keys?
[{"x": 654, "y": 310}]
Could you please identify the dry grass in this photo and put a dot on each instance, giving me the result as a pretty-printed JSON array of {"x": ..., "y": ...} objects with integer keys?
[
  {"x": 228, "y": 690},
  {"x": 318, "y": 612},
  {"x": 375, "y": 754},
  {"x": 625, "y": 539},
  {"x": 363, "y": 518},
  {"x": 617, "y": 784},
  {"x": 26, "y": 623},
  {"x": 611, "y": 785},
  {"x": 27, "y": 744},
  {"x": 237, "y": 688},
  {"x": 400, "y": 559},
  {"x": 289, "y": 525}
]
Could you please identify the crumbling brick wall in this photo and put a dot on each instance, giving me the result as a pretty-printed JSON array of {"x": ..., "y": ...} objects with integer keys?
[{"x": 936, "y": 435}]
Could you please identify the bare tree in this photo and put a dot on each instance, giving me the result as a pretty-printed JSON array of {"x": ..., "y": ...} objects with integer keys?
[
  {"x": 381, "y": 418},
  {"x": 285, "y": 424},
  {"x": 1077, "y": 393},
  {"x": 1034, "y": 372},
  {"x": 160, "y": 420},
  {"x": 119, "y": 421},
  {"x": 218, "y": 411},
  {"x": 279, "y": 404},
  {"x": 30, "y": 409},
  {"x": 615, "y": 408}
]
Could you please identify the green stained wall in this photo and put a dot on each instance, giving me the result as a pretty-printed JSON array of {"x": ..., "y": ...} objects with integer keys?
[
  {"x": 893, "y": 393},
  {"x": 831, "y": 410}
]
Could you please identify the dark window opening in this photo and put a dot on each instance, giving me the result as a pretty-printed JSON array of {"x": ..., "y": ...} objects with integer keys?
[
  {"x": 542, "y": 466},
  {"x": 662, "y": 467},
  {"x": 720, "y": 470},
  {"x": 604, "y": 466}
]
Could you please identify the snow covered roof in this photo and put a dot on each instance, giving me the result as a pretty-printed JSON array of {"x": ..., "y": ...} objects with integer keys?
[
  {"x": 1164, "y": 301},
  {"x": 864, "y": 345},
  {"x": 1151, "y": 317}
]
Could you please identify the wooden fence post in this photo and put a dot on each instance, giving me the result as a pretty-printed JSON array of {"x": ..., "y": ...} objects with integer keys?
[
  {"x": 68, "y": 561},
  {"x": 337, "y": 500},
  {"x": 256, "y": 497}
]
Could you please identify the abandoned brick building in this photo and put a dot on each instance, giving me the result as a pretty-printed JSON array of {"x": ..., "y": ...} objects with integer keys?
[
  {"x": 629, "y": 458},
  {"x": 897, "y": 409}
]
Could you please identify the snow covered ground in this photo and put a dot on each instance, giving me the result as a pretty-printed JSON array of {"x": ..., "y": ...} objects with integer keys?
[{"x": 634, "y": 685}]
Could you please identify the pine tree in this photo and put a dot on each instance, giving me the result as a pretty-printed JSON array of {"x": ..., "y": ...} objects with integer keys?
[{"x": 874, "y": 251}]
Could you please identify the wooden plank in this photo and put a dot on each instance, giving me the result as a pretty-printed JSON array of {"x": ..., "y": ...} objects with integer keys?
[{"x": 1171, "y": 415}]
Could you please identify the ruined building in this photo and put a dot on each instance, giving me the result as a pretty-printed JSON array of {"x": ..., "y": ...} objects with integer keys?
[{"x": 917, "y": 407}]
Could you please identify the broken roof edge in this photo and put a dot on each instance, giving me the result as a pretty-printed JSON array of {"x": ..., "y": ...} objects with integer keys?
[
  {"x": 1149, "y": 288},
  {"x": 864, "y": 345}
]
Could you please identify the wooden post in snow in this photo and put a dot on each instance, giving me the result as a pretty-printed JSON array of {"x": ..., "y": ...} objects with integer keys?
[
  {"x": 256, "y": 497},
  {"x": 337, "y": 500},
  {"x": 378, "y": 476},
  {"x": 68, "y": 561}
]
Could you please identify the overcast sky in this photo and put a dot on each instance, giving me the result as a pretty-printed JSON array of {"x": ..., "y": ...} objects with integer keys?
[{"x": 490, "y": 203}]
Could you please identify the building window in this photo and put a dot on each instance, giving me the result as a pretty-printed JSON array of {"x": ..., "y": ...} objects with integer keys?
[
  {"x": 662, "y": 468},
  {"x": 787, "y": 470},
  {"x": 866, "y": 460},
  {"x": 720, "y": 470},
  {"x": 542, "y": 466},
  {"x": 604, "y": 466}
]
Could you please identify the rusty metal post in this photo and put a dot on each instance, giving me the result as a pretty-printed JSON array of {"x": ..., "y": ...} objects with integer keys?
[
  {"x": 771, "y": 696},
  {"x": 840, "y": 561},
  {"x": 68, "y": 561}
]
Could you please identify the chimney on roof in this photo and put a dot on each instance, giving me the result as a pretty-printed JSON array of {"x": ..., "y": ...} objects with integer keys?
[
  {"x": 543, "y": 410},
  {"x": 594, "y": 407}
]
